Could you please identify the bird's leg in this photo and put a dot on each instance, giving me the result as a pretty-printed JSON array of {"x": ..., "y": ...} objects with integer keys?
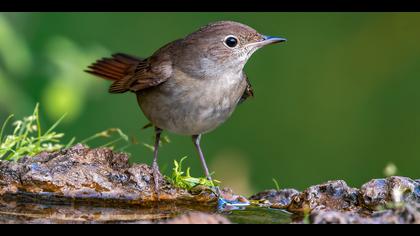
[
  {"x": 196, "y": 140},
  {"x": 155, "y": 166},
  {"x": 222, "y": 203}
]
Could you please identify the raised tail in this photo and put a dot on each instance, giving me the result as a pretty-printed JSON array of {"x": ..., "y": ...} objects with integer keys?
[{"x": 117, "y": 68}]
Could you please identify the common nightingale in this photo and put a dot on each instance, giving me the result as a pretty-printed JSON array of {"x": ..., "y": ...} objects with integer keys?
[{"x": 191, "y": 85}]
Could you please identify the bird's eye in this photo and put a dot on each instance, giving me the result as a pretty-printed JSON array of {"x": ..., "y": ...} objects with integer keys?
[{"x": 231, "y": 41}]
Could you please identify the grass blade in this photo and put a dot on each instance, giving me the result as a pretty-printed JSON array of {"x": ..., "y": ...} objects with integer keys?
[
  {"x": 72, "y": 140},
  {"x": 276, "y": 184},
  {"x": 55, "y": 124},
  {"x": 4, "y": 126},
  {"x": 109, "y": 144},
  {"x": 38, "y": 123}
]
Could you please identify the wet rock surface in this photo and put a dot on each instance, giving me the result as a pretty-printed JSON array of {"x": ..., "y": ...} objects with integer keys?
[
  {"x": 84, "y": 174},
  {"x": 394, "y": 200},
  {"x": 275, "y": 199}
]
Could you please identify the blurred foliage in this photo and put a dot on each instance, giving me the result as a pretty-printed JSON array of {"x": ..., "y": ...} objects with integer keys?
[
  {"x": 14, "y": 52},
  {"x": 338, "y": 101},
  {"x": 60, "y": 95}
]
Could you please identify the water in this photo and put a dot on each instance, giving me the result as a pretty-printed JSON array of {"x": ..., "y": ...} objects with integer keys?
[
  {"x": 14, "y": 212},
  {"x": 258, "y": 215}
]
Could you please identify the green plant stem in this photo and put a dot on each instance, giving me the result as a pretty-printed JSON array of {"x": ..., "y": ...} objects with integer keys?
[
  {"x": 4, "y": 127},
  {"x": 38, "y": 123},
  {"x": 69, "y": 144},
  {"x": 276, "y": 184},
  {"x": 112, "y": 142},
  {"x": 55, "y": 124}
]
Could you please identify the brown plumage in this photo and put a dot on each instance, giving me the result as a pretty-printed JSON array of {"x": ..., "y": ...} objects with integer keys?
[{"x": 123, "y": 68}]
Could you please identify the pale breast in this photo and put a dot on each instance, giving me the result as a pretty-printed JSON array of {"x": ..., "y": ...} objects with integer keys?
[{"x": 189, "y": 106}]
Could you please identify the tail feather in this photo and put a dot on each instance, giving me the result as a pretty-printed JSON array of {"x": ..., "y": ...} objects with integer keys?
[{"x": 116, "y": 69}]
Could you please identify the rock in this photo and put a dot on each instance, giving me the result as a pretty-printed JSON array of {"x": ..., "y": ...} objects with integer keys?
[
  {"x": 9, "y": 177},
  {"x": 229, "y": 195},
  {"x": 335, "y": 195},
  {"x": 407, "y": 214},
  {"x": 394, "y": 200},
  {"x": 333, "y": 217},
  {"x": 83, "y": 174},
  {"x": 377, "y": 193},
  {"x": 280, "y": 199}
]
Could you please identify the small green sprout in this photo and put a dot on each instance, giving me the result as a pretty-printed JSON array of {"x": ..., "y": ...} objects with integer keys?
[
  {"x": 306, "y": 214},
  {"x": 276, "y": 184},
  {"x": 27, "y": 138},
  {"x": 187, "y": 182},
  {"x": 149, "y": 146}
]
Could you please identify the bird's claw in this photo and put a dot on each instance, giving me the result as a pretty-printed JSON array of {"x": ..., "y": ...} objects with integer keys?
[{"x": 228, "y": 205}]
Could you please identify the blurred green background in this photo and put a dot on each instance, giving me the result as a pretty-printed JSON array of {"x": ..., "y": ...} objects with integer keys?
[{"x": 340, "y": 100}]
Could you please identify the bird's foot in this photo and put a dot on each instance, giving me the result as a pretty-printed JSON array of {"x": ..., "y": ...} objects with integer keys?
[
  {"x": 224, "y": 204},
  {"x": 229, "y": 205}
]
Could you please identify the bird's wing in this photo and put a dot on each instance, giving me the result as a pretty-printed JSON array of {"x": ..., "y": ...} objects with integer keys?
[
  {"x": 249, "y": 91},
  {"x": 149, "y": 73},
  {"x": 131, "y": 73}
]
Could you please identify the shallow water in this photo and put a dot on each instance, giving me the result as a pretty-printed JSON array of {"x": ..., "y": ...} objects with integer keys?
[
  {"x": 13, "y": 212},
  {"x": 258, "y": 215}
]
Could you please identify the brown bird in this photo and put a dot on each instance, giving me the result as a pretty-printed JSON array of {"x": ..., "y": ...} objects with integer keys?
[{"x": 191, "y": 85}]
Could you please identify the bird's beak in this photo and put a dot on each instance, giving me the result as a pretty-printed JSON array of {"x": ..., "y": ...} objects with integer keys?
[
  {"x": 266, "y": 40},
  {"x": 272, "y": 40}
]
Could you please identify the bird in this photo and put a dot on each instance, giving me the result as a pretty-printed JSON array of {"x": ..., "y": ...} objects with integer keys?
[{"x": 191, "y": 85}]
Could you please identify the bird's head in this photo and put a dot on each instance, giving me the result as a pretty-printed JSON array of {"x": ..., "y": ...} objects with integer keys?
[{"x": 224, "y": 45}]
